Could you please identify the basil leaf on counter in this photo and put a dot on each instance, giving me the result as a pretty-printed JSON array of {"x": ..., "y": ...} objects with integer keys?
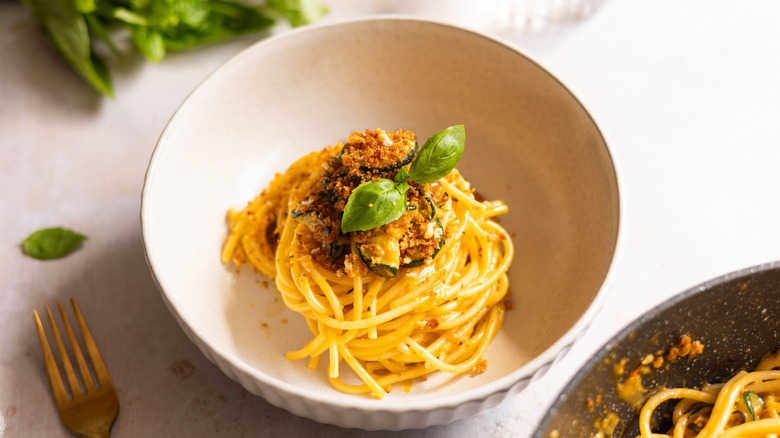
[
  {"x": 373, "y": 204},
  {"x": 439, "y": 155},
  {"x": 52, "y": 243}
]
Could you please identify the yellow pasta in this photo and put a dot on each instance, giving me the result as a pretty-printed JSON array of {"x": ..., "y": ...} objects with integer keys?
[
  {"x": 747, "y": 406},
  {"x": 436, "y": 307}
]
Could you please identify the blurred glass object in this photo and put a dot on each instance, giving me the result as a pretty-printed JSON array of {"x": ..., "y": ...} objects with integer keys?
[{"x": 540, "y": 15}]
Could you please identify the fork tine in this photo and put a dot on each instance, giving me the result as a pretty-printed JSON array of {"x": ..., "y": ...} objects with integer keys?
[
  {"x": 86, "y": 376},
  {"x": 75, "y": 388},
  {"x": 100, "y": 367},
  {"x": 51, "y": 365}
]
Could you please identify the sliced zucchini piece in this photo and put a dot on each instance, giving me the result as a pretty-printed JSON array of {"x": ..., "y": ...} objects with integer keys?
[
  {"x": 379, "y": 269},
  {"x": 335, "y": 249},
  {"x": 317, "y": 226},
  {"x": 428, "y": 210},
  {"x": 443, "y": 200},
  {"x": 422, "y": 206},
  {"x": 297, "y": 213},
  {"x": 442, "y": 241},
  {"x": 382, "y": 253},
  {"x": 431, "y": 208},
  {"x": 326, "y": 183},
  {"x": 419, "y": 260},
  {"x": 754, "y": 404}
]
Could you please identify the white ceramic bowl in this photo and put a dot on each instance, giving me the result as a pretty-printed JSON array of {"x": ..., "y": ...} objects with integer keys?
[{"x": 529, "y": 142}]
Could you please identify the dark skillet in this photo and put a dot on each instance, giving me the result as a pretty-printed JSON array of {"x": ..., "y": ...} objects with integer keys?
[{"x": 736, "y": 317}]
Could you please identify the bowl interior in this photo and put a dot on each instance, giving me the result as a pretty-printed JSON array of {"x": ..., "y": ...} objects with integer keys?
[
  {"x": 736, "y": 317},
  {"x": 529, "y": 143}
]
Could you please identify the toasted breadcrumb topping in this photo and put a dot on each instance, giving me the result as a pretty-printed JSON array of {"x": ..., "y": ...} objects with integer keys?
[
  {"x": 377, "y": 149},
  {"x": 370, "y": 156}
]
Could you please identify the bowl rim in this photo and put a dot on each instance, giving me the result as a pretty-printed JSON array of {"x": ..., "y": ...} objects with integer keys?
[
  {"x": 631, "y": 327},
  {"x": 530, "y": 370}
]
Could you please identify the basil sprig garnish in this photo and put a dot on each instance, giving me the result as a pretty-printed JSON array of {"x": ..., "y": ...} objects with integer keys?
[
  {"x": 52, "y": 243},
  {"x": 376, "y": 203}
]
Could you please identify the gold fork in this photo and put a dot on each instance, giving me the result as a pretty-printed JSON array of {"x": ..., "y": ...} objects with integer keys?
[{"x": 89, "y": 413}]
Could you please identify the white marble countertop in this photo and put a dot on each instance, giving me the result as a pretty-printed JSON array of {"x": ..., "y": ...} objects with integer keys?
[{"x": 687, "y": 95}]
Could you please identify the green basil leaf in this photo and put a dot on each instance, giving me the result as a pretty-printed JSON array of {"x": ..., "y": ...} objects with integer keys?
[
  {"x": 101, "y": 70},
  {"x": 149, "y": 41},
  {"x": 439, "y": 155},
  {"x": 225, "y": 20},
  {"x": 66, "y": 28},
  {"x": 373, "y": 204},
  {"x": 52, "y": 243},
  {"x": 97, "y": 28},
  {"x": 84, "y": 6},
  {"x": 402, "y": 175},
  {"x": 299, "y": 12},
  {"x": 126, "y": 16},
  {"x": 190, "y": 13}
]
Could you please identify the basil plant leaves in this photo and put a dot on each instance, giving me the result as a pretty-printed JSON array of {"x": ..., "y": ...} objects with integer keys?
[
  {"x": 155, "y": 26},
  {"x": 376, "y": 203}
]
